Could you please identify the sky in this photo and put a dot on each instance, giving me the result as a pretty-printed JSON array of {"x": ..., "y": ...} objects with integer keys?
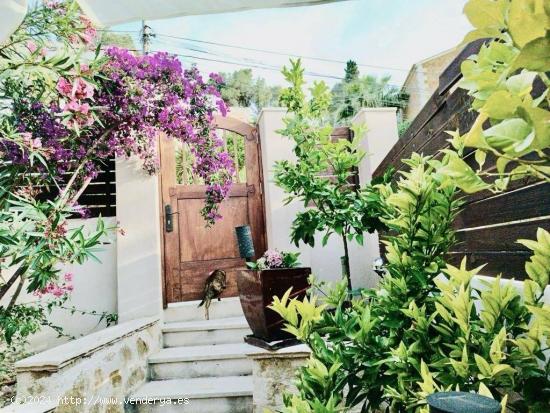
[{"x": 386, "y": 36}]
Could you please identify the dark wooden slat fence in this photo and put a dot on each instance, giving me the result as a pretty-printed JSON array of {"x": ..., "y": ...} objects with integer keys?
[
  {"x": 100, "y": 195},
  {"x": 489, "y": 224}
]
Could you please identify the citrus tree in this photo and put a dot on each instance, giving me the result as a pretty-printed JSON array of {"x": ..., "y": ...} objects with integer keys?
[{"x": 322, "y": 177}]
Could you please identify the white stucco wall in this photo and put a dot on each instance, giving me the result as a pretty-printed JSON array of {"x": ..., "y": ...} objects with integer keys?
[
  {"x": 139, "y": 277},
  {"x": 324, "y": 261},
  {"x": 380, "y": 137}
]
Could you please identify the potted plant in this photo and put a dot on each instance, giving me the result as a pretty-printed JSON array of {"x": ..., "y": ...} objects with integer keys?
[{"x": 271, "y": 275}]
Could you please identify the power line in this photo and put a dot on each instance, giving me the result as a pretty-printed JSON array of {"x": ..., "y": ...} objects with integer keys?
[
  {"x": 254, "y": 63},
  {"x": 252, "y": 49},
  {"x": 321, "y": 59},
  {"x": 265, "y": 67},
  {"x": 245, "y": 62}
]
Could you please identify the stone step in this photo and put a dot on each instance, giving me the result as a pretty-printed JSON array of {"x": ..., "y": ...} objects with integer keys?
[
  {"x": 190, "y": 311},
  {"x": 195, "y": 333},
  {"x": 204, "y": 395},
  {"x": 201, "y": 361}
]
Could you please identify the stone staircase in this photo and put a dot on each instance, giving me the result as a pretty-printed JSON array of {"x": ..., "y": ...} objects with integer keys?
[{"x": 203, "y": 366}]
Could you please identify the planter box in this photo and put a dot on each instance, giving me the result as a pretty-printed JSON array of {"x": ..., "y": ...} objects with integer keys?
[{"x": 256, "y": 291}]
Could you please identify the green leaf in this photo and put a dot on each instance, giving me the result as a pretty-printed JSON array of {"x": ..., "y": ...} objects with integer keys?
[
  {"x": 483, "y": 366},
  {"x": 534, "y": 56},
  {"x": 480, "y": 157},
  {"x": 519, "y": 85},
  {"x": 501, "y": 105},
  {"x": 485, "y": 13},
  {"x": 510, "y": 135}
]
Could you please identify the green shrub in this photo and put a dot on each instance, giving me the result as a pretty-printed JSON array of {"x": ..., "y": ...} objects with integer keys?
[
  {"x": 420, "y": 332},
  {"x": 423, "y": 331}
]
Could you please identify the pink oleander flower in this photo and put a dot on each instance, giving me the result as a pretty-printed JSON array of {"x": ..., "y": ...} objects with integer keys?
[
  {"x": 31, "y": 46},
  {"x": 75, "y": 106},
  {"x": 57, "y": 290},
  {"x": 81, "y": 115},
  {"x": 82, "y": 89},
  {"x": 89, "y": 34},
  {"x": 30, "y": 142},
  {"x": 68, "y": 276},
  {"x": 64, "y": 86}
]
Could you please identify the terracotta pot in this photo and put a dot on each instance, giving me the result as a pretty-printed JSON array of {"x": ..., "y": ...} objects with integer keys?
[{"x": 256, "y": 291}]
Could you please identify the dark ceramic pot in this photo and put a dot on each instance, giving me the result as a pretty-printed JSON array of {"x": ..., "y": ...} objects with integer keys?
[{"x": 256, "y": 291}]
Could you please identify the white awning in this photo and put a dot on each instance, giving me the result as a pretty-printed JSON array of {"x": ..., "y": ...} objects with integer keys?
[
  {"x": 11, "y": 16},
  {"x": 110, "y": 12}
]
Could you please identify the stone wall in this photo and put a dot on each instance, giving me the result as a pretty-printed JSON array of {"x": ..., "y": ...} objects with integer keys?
[
  {"x": 91, "y": 374},
  {"x": 273, "y": 374},
  {"x": 423, "y": 80}
]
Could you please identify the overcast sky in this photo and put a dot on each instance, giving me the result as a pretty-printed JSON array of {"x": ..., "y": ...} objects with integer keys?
[{"x": 392, "y": 34}]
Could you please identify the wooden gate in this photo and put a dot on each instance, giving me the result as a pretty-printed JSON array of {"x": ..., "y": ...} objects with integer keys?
[
  {"x": 191, "y": 250},
  {"x": 489, "y": 224}
]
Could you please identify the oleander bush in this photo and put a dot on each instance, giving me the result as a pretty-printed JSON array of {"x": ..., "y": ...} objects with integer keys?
[{"x": 67, "y": 106}]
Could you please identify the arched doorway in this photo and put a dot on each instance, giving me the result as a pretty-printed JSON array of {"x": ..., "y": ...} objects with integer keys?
[{"x": 191, "y": 250}]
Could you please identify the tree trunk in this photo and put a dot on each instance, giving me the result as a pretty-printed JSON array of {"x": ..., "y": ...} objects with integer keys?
[{"x": 345, "y": 262}]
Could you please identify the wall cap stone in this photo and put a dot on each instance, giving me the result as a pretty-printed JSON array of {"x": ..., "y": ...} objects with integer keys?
[
  {"x": 298, "y": 351},
  {"x": 56, "y": 358},
  {"x": 271, "y": 109}
]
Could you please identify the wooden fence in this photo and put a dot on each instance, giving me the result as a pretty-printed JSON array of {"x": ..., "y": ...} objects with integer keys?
[
  {"x": 99, "y": 197},
  {"x": 489, "y": 224}
]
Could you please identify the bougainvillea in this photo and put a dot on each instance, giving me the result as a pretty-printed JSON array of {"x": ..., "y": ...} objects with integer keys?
[
  {"x": 145, "y": 95},
  {"x": 120, "y": 111}
]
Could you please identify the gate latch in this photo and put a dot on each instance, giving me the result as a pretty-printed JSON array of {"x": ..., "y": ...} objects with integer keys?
[{"x": 168, "y": 219}]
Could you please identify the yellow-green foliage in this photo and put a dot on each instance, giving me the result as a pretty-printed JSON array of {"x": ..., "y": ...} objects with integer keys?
[
  {"x": 429, "y": 327},
  {"x": 419, "y": 332},
  {"x": 511, "y": 122}
]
